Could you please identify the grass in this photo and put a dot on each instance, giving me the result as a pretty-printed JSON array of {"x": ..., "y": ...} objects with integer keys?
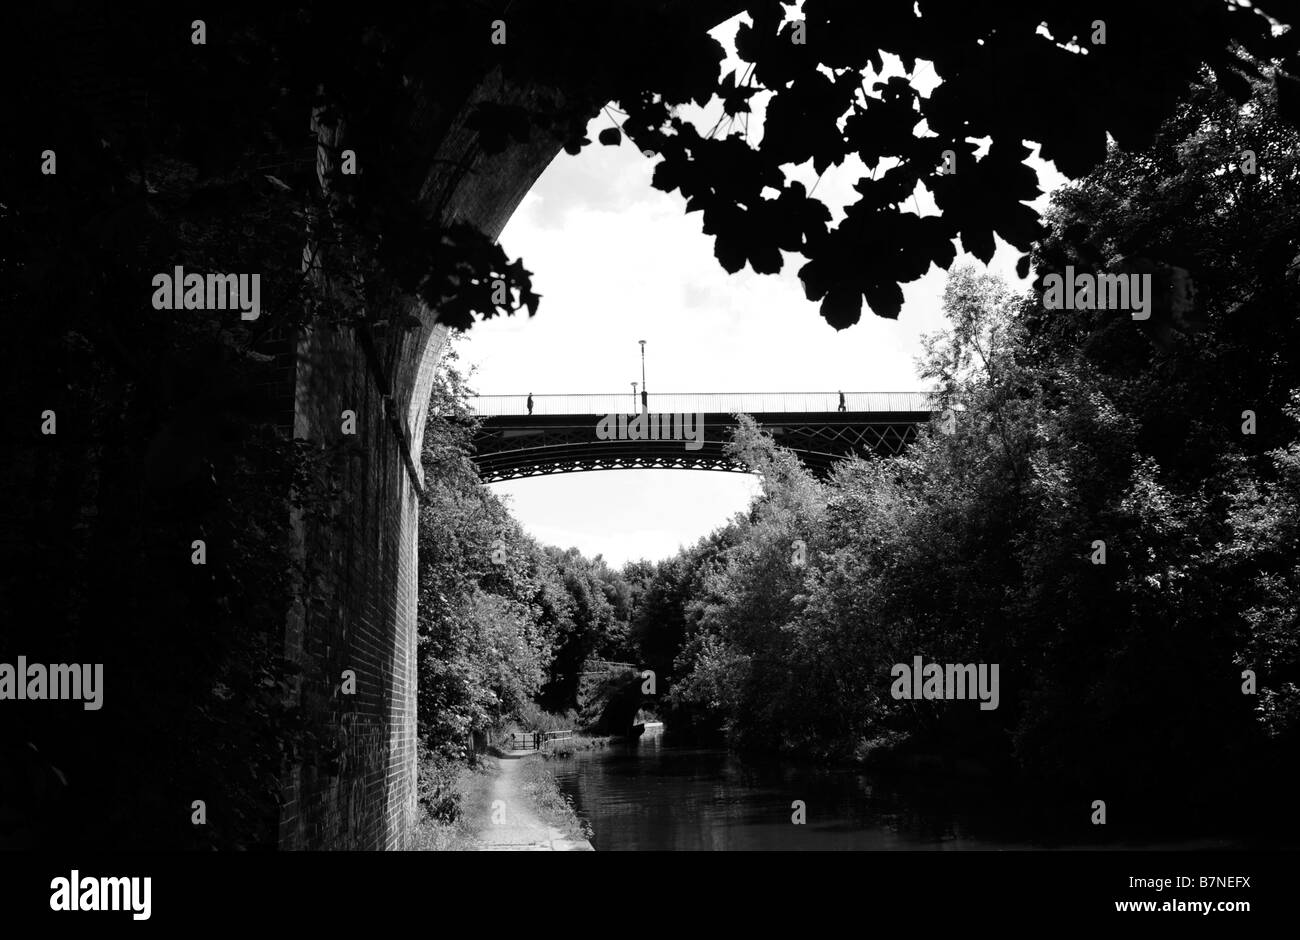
[
  {"x": 553, "y": 805},
  {"x": 455, "y": 798},
  {"x": 462, "y": 793}
]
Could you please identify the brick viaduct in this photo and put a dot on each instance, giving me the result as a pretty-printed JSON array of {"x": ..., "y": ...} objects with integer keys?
[{"x": 360, "y": 611}]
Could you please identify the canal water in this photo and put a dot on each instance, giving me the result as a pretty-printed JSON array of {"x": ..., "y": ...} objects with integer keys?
[{"x": 653, "y": 795}]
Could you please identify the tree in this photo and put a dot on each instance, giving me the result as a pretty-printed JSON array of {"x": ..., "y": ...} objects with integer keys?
[
  {"x": 1009, "y": 73},
  {"x": 1094, "y": 520}
]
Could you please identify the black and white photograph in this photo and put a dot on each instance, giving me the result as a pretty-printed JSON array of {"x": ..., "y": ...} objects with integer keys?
[{"x": 651, "y": 428}]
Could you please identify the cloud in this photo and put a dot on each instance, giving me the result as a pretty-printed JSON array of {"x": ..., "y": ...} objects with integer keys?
[
  {"x": 696, "y": 295},
  {"x": 600, "y": 179}
]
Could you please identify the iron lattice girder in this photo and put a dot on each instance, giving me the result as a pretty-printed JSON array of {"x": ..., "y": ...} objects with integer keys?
[{"x": 513, "y": 447}]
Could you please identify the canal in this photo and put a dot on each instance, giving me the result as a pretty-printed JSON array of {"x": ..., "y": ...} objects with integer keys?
[{"x": 655, "y": 795}]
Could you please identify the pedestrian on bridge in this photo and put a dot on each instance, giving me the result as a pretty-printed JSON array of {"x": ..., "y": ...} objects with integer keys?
[
  {"x": 530, "y": 403},
  {"x": 842, "y": 408}
]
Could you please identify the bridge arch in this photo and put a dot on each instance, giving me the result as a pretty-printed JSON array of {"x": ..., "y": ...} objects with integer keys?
[
  {"x": 686, "y": 431},
  {"x": 356, "y": 606}
]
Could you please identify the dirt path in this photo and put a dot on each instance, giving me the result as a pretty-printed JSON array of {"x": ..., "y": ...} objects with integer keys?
[{"x": 512, "y": 824}]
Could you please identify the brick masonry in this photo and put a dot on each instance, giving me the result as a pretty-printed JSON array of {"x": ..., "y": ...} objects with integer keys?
[{"x": 357, "y": 604}]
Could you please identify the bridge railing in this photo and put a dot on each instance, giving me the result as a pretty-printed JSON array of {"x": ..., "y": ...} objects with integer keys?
[{"x": 491, "y": 406}]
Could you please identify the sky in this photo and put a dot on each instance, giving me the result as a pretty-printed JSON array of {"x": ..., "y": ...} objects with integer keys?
[{"x": 616, "y": 261}]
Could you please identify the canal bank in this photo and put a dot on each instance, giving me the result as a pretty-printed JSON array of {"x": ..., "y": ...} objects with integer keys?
[{"x": 527, "y": 812}]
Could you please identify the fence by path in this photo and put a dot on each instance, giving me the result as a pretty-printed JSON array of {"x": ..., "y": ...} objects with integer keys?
[{"x": 533, "y": 740}]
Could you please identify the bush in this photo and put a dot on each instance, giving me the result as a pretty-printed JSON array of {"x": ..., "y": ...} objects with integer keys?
[
  {"x": 453, "y": 798},
  {"x": 437, "y": 786},
  {"x": 531, "y": 717}
]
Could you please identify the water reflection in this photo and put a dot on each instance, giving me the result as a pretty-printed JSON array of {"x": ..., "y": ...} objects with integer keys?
[{"x": 657, "y": 796}]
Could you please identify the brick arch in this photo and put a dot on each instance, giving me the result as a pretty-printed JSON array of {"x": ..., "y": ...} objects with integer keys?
[{"x": 357, "y": 603}]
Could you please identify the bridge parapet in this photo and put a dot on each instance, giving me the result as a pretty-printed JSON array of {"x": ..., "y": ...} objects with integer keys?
[{"x": 491, "y": 406}]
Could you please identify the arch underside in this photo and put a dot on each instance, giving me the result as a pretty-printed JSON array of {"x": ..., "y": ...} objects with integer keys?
[
  {"x": 514, "y": 448},
  {"x": 359, "y": 609}
]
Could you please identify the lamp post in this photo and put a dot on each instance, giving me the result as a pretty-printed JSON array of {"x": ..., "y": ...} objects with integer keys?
[{"x": 644, "y": 388}]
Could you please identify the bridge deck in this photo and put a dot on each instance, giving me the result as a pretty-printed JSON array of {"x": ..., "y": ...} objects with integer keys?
[
  {"x": 696, "y": 402},
  {"x": 510, "y": 444}
]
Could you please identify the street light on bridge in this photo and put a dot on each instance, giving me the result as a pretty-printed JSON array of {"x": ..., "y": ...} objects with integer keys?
[{"x": 644, "y": 388}]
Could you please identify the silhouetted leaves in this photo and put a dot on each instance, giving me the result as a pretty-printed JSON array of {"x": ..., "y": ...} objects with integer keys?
[
  {"x": 735, "y": 96},
  {"x": 467, "y": 272},
  {"x": 1000, "y": 78},
  {"x": 982, "y": 198},
  {"x": 801, "y": 122}
]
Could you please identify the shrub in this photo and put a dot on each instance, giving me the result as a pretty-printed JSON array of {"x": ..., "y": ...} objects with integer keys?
[{"x": 437, "y": 785}]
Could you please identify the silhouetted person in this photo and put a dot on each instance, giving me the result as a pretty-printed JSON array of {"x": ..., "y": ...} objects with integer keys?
[
  {"x": 644, "y": 404},
  {"x": 530, "y": 403},
  {"x": 842, "y": 408}
]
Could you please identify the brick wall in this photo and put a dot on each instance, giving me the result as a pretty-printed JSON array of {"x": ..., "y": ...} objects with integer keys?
[{"x": 357, "y": 603}]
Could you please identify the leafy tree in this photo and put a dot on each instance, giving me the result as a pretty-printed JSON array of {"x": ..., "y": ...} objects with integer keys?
[
  {"x": 504, "y": 621},
  {"x": 1072, "y": 428},
  {"x": 1009, "y": 74}
]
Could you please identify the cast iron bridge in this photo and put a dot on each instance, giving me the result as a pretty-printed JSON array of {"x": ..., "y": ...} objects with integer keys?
[{"x": 560, "y": 436}]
